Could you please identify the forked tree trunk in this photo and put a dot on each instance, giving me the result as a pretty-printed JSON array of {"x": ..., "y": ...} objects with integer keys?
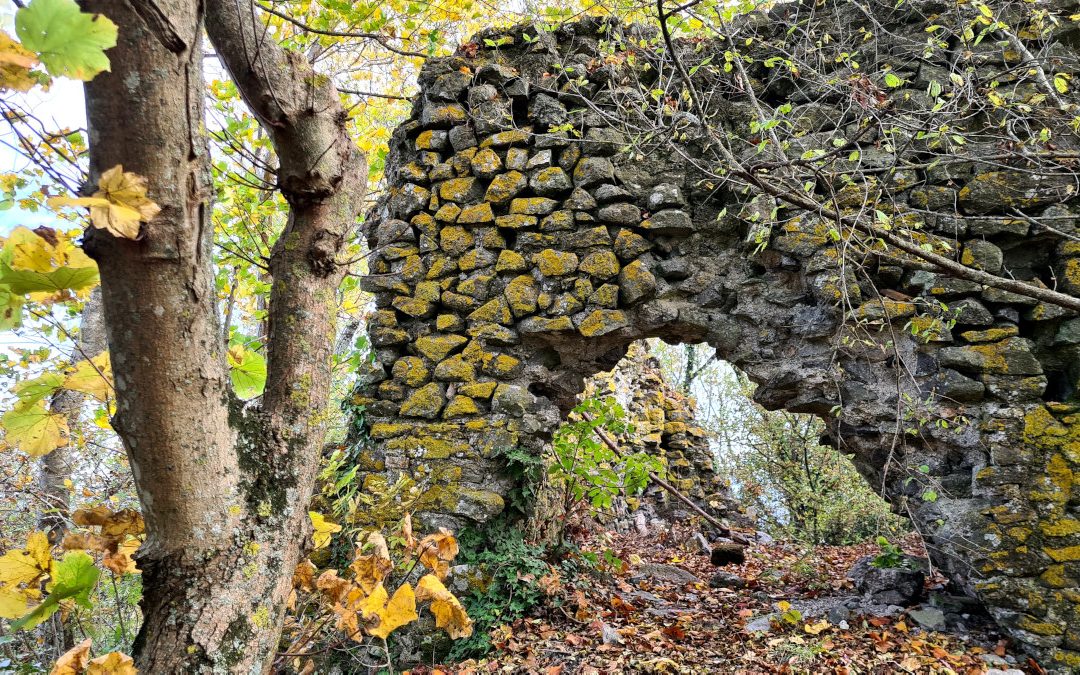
[{"x": 224, "y": 491}]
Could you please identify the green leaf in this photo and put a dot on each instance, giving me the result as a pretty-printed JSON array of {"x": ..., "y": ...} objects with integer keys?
[
  {"x": 929, "y": 496},
  {"x": 893, "y": 80},
  {"x": 73, "y": 577},
  {"x": 22, "y": 282},
  {"x": 32, "y": 391},
  {"x": 247, "y": 370},
  {"x": 10, "y": 308},
  {"x": 70, "y": 42}
]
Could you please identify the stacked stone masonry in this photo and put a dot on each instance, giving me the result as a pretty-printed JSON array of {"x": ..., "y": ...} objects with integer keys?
[
  {"x": 536, "y": 225},
  {"x": 664, "y": 424}
]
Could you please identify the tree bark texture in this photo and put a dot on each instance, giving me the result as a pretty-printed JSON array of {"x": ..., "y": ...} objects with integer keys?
[{"x": 224, "y": 488}]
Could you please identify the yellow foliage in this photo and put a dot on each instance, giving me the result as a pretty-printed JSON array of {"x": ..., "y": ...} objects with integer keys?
[
  {"x": 35, "y": 430},
  {"x": 323, "y": 530},
  {"x": 93, "y": 377},
  {"x": 15, "y": 64},
  {"x": 448, "y": 611},
  {"x": 371, "y": 569},
  {"x": 20, "y": 572},
  {"x": 119, "y": 205},
  {"x": 77, "y": 661}
]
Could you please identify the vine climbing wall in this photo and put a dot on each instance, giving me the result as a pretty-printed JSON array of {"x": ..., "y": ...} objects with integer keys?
[{"x": 555, "y": 196}]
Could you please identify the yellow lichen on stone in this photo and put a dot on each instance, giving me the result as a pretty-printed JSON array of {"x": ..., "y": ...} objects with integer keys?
[
  {"x": 495, "y": 311},
  {"x": 501, "y": 365},
  {"x": 478, "y": 389},
  {"x": 458, "y": 189},
  {"x": 426, "y": 401},
  {"x": 437, "y": 347},
  {"x": 476, "y": 214},
  {"x": 552, "y": 263},
  {"x": 449, "y": 322},
  {"x": 510, "y": 261},
  {"x": 602, "y": 321},
  {"x": 455, "y": 240},
  {"x": 601, "y": 265},
  {"x": 461, "y": 406},
  {"x": 414, "y": 307},
  {"x": 410, "y": 370},
  {"x": 455, "y": 369},
  {"x": 521, "y": 293}
]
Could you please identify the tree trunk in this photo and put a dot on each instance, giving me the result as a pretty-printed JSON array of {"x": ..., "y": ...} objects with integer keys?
[
  {"x": 57, "y": 466},
  {"x": 224, "y": 490}
]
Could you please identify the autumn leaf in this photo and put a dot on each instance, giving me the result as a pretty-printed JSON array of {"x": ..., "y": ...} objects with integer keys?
[
  {"x": 72, "y": 578},
  {"x": 370, "y": 570},
  {"x": 112, "y": 524},
  {"x": 74, "y": 660},
  {"x": 93, "y": 377},
  {"x": 323, "y": 530},
  {"x": 118, "y": 206},
  {"x": 15, "y": 64},
  {"x": 407, "y": 532},
  {"x": 437, "y": 550},
  {"x": 33, "y": 429},
  {"x": 399, "y": 611},
  {"x": 26, "y": 566},
  {"x": 122, "y": 560},
  {"x": 304, "y": 575},
  {"x": 333, "y": 586},
  {"x": 817, "y": 628},
  {"x": 71, "y": 43},
  {"x": 247, "y": 371},
  {"x": 448, "y": 611},
  {"x": 113, "y": 663}
]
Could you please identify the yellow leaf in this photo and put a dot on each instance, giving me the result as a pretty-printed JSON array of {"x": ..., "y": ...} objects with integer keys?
[
  {"x": 449, "y": 614},
  {"x": 33, "y": 429},
  {"x": 113, "y": 663},
  {"x": 323, "y": 530},
  {"x": 333, "y": 586},
  {"x": 783, "y": 605},
  {"x": 93, "y": 377},
  {"x": 13, "y": 603},
  {"x": 29, "y": 251},
  {"x": 304, "y": 575},
  {"x": 74, "y": 660},
  {"x": 112, "y": 524},
  {"x": 15, "y": 64},
  {"x": 371, "y": 569},
  {"x": 401, "y": 610},
  {"x": 816, "y": 628},
  {"x": 28, "y": 565},
  {"x": 118, "y": 206}
]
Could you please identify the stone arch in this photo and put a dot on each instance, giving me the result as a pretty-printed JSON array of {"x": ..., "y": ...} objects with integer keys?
[{"x": 522, "y": 248}]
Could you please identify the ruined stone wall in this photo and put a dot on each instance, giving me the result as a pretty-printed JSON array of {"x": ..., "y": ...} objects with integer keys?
[
  {"x": 546, "y": 210},
  {"x": 665, "y": 425}
]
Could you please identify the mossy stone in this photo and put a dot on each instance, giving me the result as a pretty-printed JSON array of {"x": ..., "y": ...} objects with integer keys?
[
  {"x": 411, "y": 370},
  {"x": 476, "y": 213},
  {"x": 461, "y": 406}
]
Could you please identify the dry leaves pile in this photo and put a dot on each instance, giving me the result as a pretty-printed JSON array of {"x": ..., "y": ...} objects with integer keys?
[{"x": 621, "y": 623}]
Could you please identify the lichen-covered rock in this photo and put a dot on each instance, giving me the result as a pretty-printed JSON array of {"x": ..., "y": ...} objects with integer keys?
[
  {"x": 505, "y": 187},
  {"x": 552, "y": 263},
  {"x": 636, "y": 283},
  {"x": 426, "y": 401}
]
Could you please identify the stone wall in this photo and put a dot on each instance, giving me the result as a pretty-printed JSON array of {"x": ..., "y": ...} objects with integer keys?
[
  {"x": 665, "y": 425},
  {"x": 546, "y": 210}
]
